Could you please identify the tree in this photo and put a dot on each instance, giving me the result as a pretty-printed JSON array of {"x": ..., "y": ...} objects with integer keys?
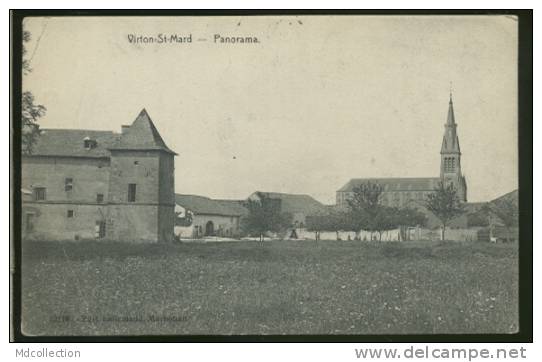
[
  {"x": 318, "y": 223},
  {"x": 365, "y": 197},
  {"x": 265, "y": 216},
  {"x": 409, "y": 217},
  {"x": 30, "y": 112},
  {"x": 444, "y": 203},
  {"x": 333, "y": 220},
  {"x": 385, "y": 218},
  {"x": 364, "y": 207},
  {"x": 366, "y": 212}
]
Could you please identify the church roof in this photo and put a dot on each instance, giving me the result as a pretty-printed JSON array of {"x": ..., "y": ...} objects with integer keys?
[
  {"x": 141, "y": 135},
  {"x": 395, "y": 183}
]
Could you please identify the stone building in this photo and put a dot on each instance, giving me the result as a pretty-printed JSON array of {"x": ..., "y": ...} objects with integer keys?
[
  {"x": 84, "y": 184},
  {"x": 200, "y": 216},
  {"x": 403, "y": 192}
]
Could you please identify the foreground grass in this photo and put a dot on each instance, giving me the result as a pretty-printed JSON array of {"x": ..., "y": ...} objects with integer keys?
[{"x": 279, "y": 288}]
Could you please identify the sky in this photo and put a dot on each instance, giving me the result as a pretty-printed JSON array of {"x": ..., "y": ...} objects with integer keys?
[{"x": 317, "y": 101}]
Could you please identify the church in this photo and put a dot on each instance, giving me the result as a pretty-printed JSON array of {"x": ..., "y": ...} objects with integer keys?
[{"x": 411, "y": 192}]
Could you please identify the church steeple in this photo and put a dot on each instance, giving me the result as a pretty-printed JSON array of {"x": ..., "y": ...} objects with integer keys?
[
  {"x": 450, "y": 141},
  {"x": 451, "y": 118},
  {"x": 450, "y": 154}
]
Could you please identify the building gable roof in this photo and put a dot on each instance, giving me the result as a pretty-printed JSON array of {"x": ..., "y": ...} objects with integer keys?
[
  {"x": 141, "y": 135},
  {"x": 296, "y": 203},
  {"x": 205, "y": 206},
  {"x": 235, "y": 206},
  {"x": 395, "y": 184},
  {"x": 70, "y": 142}
]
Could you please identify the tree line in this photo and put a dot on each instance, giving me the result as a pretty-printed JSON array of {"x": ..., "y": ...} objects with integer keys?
[{"x": 364, "y": 212}]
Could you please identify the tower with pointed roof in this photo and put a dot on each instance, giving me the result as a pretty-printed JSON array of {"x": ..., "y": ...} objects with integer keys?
[
  {"x": 90, "y": 184},
  {"x": 450, "y": 155},
  {"x": 141, "y": 184}
]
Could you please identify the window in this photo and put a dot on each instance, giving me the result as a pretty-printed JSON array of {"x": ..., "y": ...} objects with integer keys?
[
  {"x": 70, "y": 213},
  {"x": 90, "y": 144},
  {"x": 449, "y": 164},
  {"x": 39, "y": 193},
  {"x": 99, "y": 229},
  {"x": 68, "y": 184},
  {"x": 99, "y": 198},
  {"x": 131, "y": 192}
]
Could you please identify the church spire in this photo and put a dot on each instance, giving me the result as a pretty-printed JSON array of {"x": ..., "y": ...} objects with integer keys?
[
  {"x": 450, "y": 141},
  {"x": 451, "y": 118},
  {"x": 450, "y": 154}
]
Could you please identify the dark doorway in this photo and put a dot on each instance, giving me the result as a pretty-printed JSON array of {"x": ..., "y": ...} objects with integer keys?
[{"x": 209, "y": 228}]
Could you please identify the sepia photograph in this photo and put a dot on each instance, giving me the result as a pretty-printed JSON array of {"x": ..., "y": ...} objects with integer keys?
[{"x": 269, "y": 175}]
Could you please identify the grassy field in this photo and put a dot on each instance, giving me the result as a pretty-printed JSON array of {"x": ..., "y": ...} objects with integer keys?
[{"x": 282, "y": 287}]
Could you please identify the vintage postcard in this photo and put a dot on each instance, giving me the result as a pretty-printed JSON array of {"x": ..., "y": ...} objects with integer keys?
[{"x": 269, "y": 175}]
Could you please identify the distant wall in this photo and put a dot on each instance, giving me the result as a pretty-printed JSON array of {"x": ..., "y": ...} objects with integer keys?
[{"x": 456, "y": 234}]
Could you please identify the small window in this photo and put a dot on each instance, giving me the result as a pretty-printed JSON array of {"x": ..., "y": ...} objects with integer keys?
[
  {"x": 131, "y": 192},
  {"x": 99, "y": 198},
  {"x": 99, "y": 230},
  {"x": 90, "y": 144},
  {"x": 39, "y": 193},
  {"x": 70, "y": 213},
  {"x": 136, "y": 162},
  {"x": 68, "y": 184}
]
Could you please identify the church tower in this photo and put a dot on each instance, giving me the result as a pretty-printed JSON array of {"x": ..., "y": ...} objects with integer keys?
[{"x": 450, "y": 156}]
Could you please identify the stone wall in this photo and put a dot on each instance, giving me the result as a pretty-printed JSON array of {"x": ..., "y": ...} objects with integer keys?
[
  {"x": 50, "y": 217},
  {"x": 149, "y": 218}
]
